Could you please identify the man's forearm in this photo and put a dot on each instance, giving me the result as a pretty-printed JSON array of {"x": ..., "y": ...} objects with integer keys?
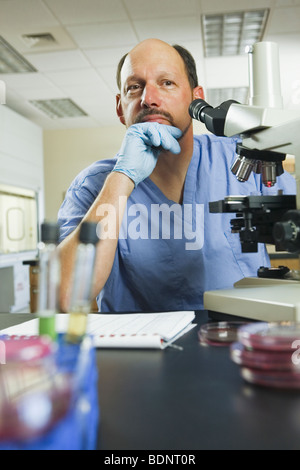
[{"x": 107, "y": 210}]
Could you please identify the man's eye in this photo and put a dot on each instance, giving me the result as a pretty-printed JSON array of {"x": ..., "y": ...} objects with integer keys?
[{"x": 133, "y": 88}]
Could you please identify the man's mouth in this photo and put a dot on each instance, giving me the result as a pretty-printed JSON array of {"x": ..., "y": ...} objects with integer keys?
[
  {"x": 153, "y": 115},
  {"x": 156, "y": 118}
]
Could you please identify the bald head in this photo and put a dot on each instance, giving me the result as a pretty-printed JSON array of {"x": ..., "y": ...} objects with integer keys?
[{"x": 152, "y": 46}]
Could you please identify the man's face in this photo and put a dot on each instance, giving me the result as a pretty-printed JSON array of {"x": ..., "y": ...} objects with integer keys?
[{"x": 155, "y": 87}]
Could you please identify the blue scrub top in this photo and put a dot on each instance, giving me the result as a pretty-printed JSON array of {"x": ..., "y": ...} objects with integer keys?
[{"x": 168, "y": 254}]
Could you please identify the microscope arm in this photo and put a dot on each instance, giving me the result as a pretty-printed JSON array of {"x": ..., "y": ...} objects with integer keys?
[{"x": 284, "y": 138}]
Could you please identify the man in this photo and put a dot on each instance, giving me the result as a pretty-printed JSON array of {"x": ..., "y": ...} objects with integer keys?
[{"x": 160, "y": 247}]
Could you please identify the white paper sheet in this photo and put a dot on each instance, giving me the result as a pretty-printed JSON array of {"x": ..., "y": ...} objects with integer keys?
[{"x": 132, "y": 330}]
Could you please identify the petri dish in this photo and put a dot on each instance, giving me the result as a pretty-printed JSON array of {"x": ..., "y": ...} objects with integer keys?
[
  {"x": 276, "y": 379},
  {"x": 219, "y": 333},
  {"x": 24, "y": 349},
  {"x": 263, "y": 359},
  {"x": 271, "y": 336}
]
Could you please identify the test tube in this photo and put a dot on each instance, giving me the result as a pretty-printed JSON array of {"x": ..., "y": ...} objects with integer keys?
[
  {"x": 82, "y": 282},
  {"x": 49, "y": 278}
]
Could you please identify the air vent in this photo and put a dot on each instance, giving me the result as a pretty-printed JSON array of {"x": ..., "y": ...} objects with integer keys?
[
  {"x": 59, "y": 108},
  {"x": 38, "y": 40}
]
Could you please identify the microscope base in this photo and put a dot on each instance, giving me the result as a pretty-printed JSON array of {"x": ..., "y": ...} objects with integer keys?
[{"x": 257, "y": 299}]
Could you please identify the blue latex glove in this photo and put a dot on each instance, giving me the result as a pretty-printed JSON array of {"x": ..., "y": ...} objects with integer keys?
[{"x": 141, "y": 147}]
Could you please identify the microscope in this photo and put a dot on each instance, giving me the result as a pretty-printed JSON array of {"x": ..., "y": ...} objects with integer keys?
[{"x": 267, "y": 134}]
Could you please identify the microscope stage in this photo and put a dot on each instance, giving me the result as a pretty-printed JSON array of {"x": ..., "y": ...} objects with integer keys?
[{"x": 257, "y": 299}]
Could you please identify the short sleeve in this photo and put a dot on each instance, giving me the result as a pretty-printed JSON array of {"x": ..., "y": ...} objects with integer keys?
[{"x": 81, "y": 194}]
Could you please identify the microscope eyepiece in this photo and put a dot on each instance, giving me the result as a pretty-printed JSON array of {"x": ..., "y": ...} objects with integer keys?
[
  {"x": 196, "y": 109},
  {"x": 213, "y": 118}
]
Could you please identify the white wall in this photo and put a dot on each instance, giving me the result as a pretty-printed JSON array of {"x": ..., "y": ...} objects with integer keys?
[
  {"x": 21, "y": 153},
  {"x": 21, "y": 164},
  {"x": 67, "y": 152}
]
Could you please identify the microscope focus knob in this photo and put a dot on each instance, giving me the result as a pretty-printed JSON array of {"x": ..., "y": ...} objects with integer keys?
[{"x": 286, "y": 233}]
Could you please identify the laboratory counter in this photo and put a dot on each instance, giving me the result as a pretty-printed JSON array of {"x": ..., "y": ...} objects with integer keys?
[{"x": 189, "y": 399}]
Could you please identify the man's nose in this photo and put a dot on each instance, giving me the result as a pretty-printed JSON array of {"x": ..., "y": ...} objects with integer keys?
[{"x": 150, "y": 97}]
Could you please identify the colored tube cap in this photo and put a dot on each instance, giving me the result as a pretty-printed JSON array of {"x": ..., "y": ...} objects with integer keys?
[
  {"x": 88, "y": 233},
  {"x": 50, "y": 232}
]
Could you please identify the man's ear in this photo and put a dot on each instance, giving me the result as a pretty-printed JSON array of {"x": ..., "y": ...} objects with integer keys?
[
  {"x": 198, "y": 93},
  {"x": 119, "y": 109}
]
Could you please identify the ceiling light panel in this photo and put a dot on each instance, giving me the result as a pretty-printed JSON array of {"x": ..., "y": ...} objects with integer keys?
[
  {"x": 58, "y": 108},
  {"x": 11, "y": 61},
  {"x": 230, "y": 33}
]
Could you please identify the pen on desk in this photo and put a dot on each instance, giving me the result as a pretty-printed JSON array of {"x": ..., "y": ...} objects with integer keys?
[
  {"x": 170, "y": 344},
  {"x": 49, "y": 278},
  {"x": 82, "y": 282},
  {"x": 175, "y": 346}
]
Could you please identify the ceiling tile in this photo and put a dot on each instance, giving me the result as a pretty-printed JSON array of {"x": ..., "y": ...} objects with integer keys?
[
  {"x": 284, "y": 19},
  {"x": 75, "y": 77},
  {"x": 215, "y": 6},
  {"x": 103, "y": 35},
  {"x": 56, "y": 61},
  {"x": 90, "y": 95},
  {"x": 144, "y": 9},
  {"x": 287, "y": 3},
  {"x": 87, "y": 11},
  {"x": 170, "y": 29},
  {"x": 47, "y": 93},
  {"x": 26, "y": 80},
  {"x": 32, "y": 13},
  {"x": 108, "y": 56}
]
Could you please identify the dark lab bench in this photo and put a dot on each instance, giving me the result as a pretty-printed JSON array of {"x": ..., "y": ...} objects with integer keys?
[{"x": 187, "y": 400}]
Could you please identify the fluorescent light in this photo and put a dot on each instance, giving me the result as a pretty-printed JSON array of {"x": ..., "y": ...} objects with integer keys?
[
  {"x": 216, "y": 96},
  {"x": 59, "y": 108},
  {"x": 229, "y": 33},
  {"x": 11, "y": 61}
]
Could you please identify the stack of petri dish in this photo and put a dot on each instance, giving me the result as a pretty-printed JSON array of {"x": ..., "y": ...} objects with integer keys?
[{"x": 269, "y": 354}]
